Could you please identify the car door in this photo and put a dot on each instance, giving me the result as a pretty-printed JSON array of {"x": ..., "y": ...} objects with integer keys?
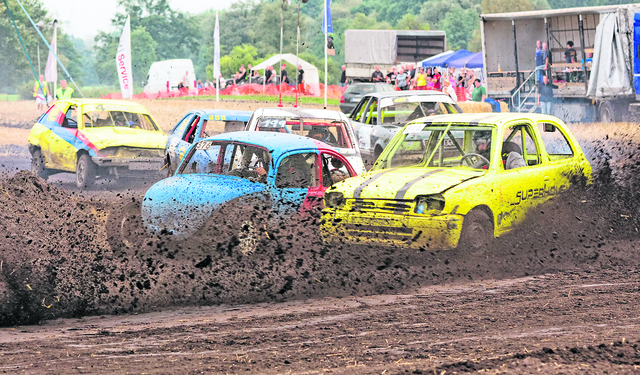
[
  {"x": 331, "y": 168},
  {"x": 564, "y": 168},
  {"x": 356, "y": 114},
  {"x": 368, "y": 120},
  {"x": 297, "y": 173},
  {"x": 175, "y": 135},
  {"x": 62, "y": 138},
  {"x": 521, "y": 185},
  {"x": 186, "y": 139}
]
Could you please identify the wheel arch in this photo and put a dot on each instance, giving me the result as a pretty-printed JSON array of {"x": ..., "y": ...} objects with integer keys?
[{"x": 487, "y": 210}]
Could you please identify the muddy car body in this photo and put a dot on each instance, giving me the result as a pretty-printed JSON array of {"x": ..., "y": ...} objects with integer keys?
[
  {"x": 379, "y": 116},
  {"x": 330, "y": 127},
  {"x": 423, "y": 195},
  {"x": 199, "y": 124},
  {"x": 223, "y": 179},
  {"x": 93, "y": 137}
]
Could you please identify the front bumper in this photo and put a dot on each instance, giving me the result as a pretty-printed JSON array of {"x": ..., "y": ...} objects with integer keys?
[
  {"x": 419, "y": 232},
  {"x": 133, "y": 164}
]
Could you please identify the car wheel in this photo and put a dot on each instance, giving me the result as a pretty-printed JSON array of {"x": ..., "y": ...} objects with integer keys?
[
  {"x": 239, "y": 227},
  {"x": 477, "y": 233},
  {"x": 606, "y": 113},
  {"x": 125, "y": 231},
  {"x": 376, "y": 153},
  {"x": 85, "y": 172},
  {"x": 38, "y": 165}
]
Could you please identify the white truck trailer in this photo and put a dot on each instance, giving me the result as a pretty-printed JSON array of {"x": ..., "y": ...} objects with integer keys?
[
  {"x": 366, "y": 49},
  {"x": 600, "y": 85}
]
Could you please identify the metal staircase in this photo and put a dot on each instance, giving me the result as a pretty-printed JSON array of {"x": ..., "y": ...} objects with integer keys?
[{"x": 525, "y": 97}]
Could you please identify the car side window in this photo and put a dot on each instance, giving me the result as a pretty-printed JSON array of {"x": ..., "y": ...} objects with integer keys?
[
  {"x": 190, "y": 134},
  {"x": 555, "y": 141},
  {"x": 359, "y": 110},
  {"x": 297, "y": 171},
  {"x": 71, "y": 117},
  {"x": 55, "y": 116},
  {"x": 370, "y": 115},
  {"x": 334, "y": 170},
  {"x": 519, "y": 148},
  {"x": 179, "y": 127}
]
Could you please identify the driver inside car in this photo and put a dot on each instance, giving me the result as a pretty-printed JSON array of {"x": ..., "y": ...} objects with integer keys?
[{"x": 322, "y": 134}]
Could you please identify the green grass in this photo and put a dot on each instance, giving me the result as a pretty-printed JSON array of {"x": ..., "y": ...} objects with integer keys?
[{"x": 265, "y": 98}]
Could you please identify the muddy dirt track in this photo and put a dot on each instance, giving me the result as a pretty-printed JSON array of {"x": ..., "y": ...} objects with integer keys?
[{"x": 557, "y": 295}]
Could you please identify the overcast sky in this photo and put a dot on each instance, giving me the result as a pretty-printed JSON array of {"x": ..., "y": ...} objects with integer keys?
[{"x": 84, "y": 18}]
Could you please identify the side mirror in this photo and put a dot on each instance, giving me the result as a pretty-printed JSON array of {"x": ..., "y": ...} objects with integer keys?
[{"x": 549, "y": 128}]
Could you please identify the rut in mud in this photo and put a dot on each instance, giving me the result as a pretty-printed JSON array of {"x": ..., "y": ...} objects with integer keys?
[{"x": 56, "y": 261}]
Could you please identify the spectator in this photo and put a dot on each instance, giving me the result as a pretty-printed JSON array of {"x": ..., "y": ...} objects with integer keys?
[
  {"x": 450, "y": 91},
  {"x": 283, "y": 75},
  {"x": 436, "y": 79},
  {"x": 462, "y": 78},
  {"x": 343, "y": 76},
  {"x": 479, "y": 92},
  {"x": 412, "y": 75},
  {"x": 199, "y": 84},
  {"x": 391, "y": 77},
  {"x": 545, "y": 58},
  {"x": 208, "y": 83},
  {"x": 545, "y": 95},
  {"x": 185, "y": 80},
  {"x": 401, "y": 80},
  {"x": 452, "y": 76},
  {"x": 241, "y": 75},
  {"x": 267, "y": 74},
  {"x": 64, "y": 92},
  {"x": 223, "y": 82},
  {"x": 377, "y": 76},
  {"x": 274, "y": 76},
  {"x": 421, "y": 80},
  {"x": 300, "y": 79},
  {"x": 570, "y": 53},
  {"x": 40, "y": 93},
  {"x": 471, "y": 78},
  {"x": 539, "y": 61},
  {"x": 250, "y": 72}
]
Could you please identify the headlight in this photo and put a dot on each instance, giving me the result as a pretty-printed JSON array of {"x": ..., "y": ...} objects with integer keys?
[
  {"x": 109, "y": 151},
  {"x": 334, "y": 199},
  {"x": 426, "y": 203}
]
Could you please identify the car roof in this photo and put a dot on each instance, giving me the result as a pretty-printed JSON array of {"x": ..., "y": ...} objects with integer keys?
[
  {"x": 229, "y": 115},
  {"x": 488, "y": 118},
  {"x": 303, "y": 112},
  {"x": 394, "y": 94},
  {"x": 277, "y": 143},
  {"x": 102, "y": 101}
]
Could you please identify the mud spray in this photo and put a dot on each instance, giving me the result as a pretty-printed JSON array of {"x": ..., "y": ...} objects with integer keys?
[{"x": 55, "y": 260}]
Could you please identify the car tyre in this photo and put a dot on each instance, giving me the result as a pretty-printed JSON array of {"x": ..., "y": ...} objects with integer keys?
[
  {"x": 607, "y": 113},
  {"x": 239, "y": 227},
  {"x": 38, "y": 165},
  {"x": 125, "y": 231},
  {"x": 477, "y": 233},
  {"x": 85, "y": 172}
]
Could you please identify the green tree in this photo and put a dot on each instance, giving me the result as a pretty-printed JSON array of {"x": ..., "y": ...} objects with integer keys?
[
  {"x": 502, "y": 6},
  {"x": 411, "y": 22},
  {"x": 459, "y": 24}
]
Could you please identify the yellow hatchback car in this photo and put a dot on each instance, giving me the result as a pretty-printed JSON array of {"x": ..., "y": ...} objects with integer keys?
[
  {"x": 93, "y": 137},
  {"x": 456, "y": 181}
]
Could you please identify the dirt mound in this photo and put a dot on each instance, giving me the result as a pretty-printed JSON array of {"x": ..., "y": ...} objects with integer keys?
[{"x": 56, "y": 261}]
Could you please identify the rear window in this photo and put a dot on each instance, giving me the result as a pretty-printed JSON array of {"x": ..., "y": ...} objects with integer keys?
[
  {"x": 333, "y": 133},
  {"x": 360, "y": 89}
]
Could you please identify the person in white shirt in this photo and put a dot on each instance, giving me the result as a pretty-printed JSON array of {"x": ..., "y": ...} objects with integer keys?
[{"x": 450, "y": 91}]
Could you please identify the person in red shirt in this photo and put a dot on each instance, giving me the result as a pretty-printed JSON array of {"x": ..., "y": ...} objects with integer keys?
[{"x": 436, "y": 78}]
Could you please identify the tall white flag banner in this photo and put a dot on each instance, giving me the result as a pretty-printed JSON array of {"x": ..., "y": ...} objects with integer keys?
[
  {"x": 123, "y": 62},
  {"x": 216, "y": 50},
  {"x": 51, "y": 70}
]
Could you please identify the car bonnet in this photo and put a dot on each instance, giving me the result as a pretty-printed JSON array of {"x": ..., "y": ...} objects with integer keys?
[
  {"x": 182, "y": 204},
  {"x": 404, "y": 183}
]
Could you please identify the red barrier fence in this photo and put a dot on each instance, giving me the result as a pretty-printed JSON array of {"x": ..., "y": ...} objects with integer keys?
[{"x": 333, "y": 92}]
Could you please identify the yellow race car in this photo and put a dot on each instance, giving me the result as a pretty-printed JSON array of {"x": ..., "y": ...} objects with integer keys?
[
  {"x": 93, "y": 137},
  {"x": 455, "y": 181}
]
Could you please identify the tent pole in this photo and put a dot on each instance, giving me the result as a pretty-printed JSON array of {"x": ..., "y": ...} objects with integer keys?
[
  {"x": 281, "y": 35},
  {"x": 297, "y": 57},
  {"x": 326, "y": 22}
]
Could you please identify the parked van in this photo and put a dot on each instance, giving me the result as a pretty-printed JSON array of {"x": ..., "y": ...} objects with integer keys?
[{"x": 172, "y": 71}]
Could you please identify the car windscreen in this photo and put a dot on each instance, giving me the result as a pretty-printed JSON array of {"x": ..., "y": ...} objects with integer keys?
[
  {"x": 440, "y": 146},
  {"x": 228, "y": 158},
  {"x": 401, "y": 111},
  {"x": 331, "y": 132},
  {"x": 103, "y": 116},
  {"x": 360, "y": 89}
]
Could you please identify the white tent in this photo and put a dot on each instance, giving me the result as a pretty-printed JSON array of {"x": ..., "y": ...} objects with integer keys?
[{"x": 311, "y": 77}]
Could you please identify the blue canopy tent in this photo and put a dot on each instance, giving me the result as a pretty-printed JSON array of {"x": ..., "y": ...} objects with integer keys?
[
  {"x": 443, "y": 61},
  {"x": 436, "y": 57},
  {"x": 472, "y": 61}
]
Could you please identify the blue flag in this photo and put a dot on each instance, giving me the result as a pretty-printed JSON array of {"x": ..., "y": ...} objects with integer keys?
[{"x": 327, "y": 4}]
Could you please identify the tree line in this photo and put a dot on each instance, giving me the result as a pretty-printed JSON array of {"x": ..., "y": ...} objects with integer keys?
[{"x": 249, "y": 33}]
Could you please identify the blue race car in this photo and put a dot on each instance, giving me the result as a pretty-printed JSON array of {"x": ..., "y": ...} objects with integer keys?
[
  {"x": 198, "y": 124},
  {"x": 233, "y": 187}
]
